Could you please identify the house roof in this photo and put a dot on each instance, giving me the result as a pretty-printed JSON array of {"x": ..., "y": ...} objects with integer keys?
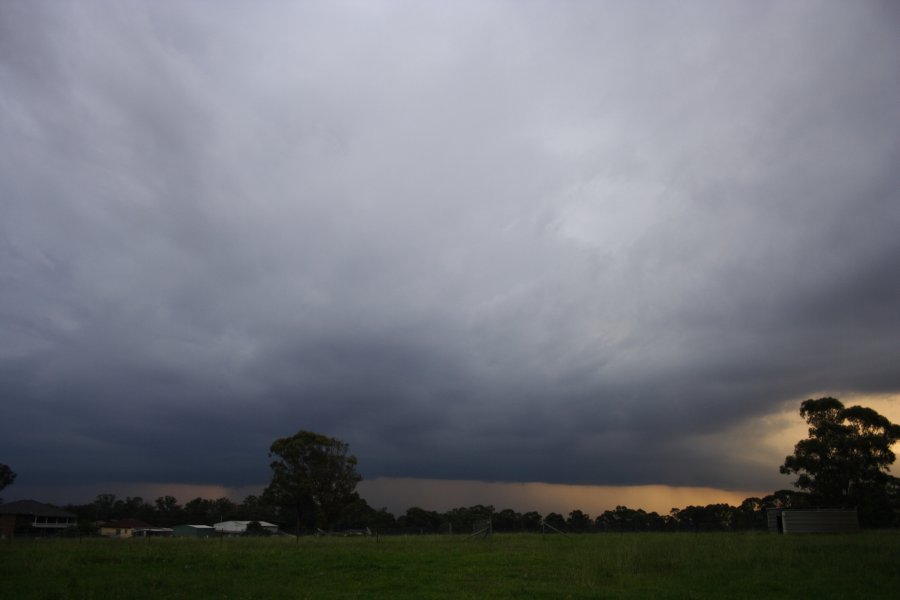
[
  {"x": 197, "y": 526},
  {"x": 127, "y": 524},
  {"x": 240, "y": 526},
  {"x": 32, "y": 507}
]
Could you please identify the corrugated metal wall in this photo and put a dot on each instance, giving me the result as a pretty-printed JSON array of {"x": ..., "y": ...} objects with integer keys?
[
  {"x": 814, "y": 521},
  {"x": 772, "y": 519}
]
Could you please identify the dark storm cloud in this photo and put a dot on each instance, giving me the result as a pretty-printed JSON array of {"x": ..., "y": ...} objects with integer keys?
[{"x": 526, "y": 242}]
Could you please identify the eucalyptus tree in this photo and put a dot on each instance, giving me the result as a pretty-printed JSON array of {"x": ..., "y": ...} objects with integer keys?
[
  {"x": 312, "y": 475},
  {"x": 845, "y": 461},
  {"x": 7, "y": 476}
]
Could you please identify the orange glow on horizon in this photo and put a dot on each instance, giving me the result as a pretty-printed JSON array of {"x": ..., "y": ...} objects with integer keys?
[
  {"x": 760, "y": 443},
  {"x": 398, "y": 494}
]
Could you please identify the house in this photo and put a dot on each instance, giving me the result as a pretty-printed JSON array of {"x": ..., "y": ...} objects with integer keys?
[
  {"x": 28, "y": 517},
  {"x": 240, "y": 527},
  {"x": 795, "y": 520},
  {"x": 194, "y": 531},
  {"x": 124, "y": 528},
  {"x": 154, "y": 532}
]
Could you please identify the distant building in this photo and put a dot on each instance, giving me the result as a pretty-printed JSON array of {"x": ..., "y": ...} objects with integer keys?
[
  {"x": 195, "y": 531},
  {"x": 28, "y": 517},
  {"x": 124, "y": 528},
  {"x": 240, "y": 527},
  {"x": 796, "y": 520},
  {"x": 154, "y": 532}
]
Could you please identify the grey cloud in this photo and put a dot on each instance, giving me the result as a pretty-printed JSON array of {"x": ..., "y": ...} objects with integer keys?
[{"x": 480, "y": 241}]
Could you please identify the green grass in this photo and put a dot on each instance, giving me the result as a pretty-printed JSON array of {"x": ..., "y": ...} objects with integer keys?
[{"x": 754, "y": 565}]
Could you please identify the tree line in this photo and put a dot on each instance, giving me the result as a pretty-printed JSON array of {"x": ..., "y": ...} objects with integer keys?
[
  {"x": 166, "y": 511},
  {"x": 843, "y": 463}
]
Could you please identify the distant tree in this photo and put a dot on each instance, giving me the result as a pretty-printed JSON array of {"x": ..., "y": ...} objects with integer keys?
[
  {"x": 203, "y": 511},
  {"x": 381, "y": 519},
  {"x": 464, "y": 517},
  {"x": 312, "y": 472},
  {"x": 166, "y": 504},
  {"x": 168, "y": 511},
  {"x": 846, "y": 458},
  {"x": 579, "y": 522},
  {"x": 751, "y": 514},
  {"x": 507, "y": 520},
  {"x": 134, "y": 507},
  {"x": 531, "y": 521},
  {"x": 786, "y": 499},
  {"x": 254, "y": 508},
  {"x": 195, "y": 511},
  {"x": 421, "y": 519},
  {"x": 222, "y": 509},
  {"x": 359, "y": 515},
  {"x": 86, "y": 528},
  {"x": 657, "y": 522},
  {"x": 255, "y": 529},
  {"x": 629, "y": 519},
  {"x": 104, "y": 506},
  {"x": 250, "y": 503},
  {"x": 712, "y": 517},
  {"x": 555, "y": 520},
  {"x": 7, "y": 476}
]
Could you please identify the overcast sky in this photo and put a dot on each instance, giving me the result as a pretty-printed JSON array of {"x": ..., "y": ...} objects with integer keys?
[{"x": 561, "y": 242}]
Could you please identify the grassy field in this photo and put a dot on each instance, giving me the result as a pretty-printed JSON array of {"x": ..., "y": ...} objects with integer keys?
[{"x": 755, "y": 565}]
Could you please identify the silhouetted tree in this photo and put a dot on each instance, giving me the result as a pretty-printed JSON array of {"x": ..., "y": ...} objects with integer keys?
[
  {"x": 629, "y": 519},
  {"x": 134, "y": 507},
  {"x": 531, "y": 521},
  {"x": 786, "y": 499},
  {"x": 359, "y": 515},
  {"x": 507, "y": 520},
  {"x": 168, "y": 511},
  {"x": 197, "y": 511},
  {"x": 579, "y": 522},
  {"x": 712, "y": 517},
  {"x": 555, "y": 520},
  {"x": 464, "y": 517},
  {"x": 421, "y": 519},
  {"x": 254, "y": 508},
  {"x": 255, "y": 529},
  {"x": 7, "y": 476},
  {"x": 846, "y": 458},
  {"x": 312, "y": 472},
  {"x": 166, "y": 504},
  {"x": 751, "y": 514},
  {"x": 104, "y": 505}
]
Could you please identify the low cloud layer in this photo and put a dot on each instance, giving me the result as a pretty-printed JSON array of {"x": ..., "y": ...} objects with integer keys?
[{"x": 555, "y": 242}]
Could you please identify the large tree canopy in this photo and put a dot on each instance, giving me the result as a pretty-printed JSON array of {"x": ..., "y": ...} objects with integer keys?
[
  {"x": 7, "y": 476},
  {"x": 312, "y": 473},
  {"x": 846, "y": 459}
]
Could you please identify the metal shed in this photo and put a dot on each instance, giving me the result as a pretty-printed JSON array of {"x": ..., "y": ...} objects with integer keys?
[
  {"x": 195, "y": 531},
  {"x": 240, "y": 527},
  {"x": 822, "y": 520}
]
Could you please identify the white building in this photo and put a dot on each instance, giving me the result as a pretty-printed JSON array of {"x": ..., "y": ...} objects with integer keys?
[{"x": 240, "y": 527}]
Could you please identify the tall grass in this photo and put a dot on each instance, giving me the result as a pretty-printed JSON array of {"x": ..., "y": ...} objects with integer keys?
[{"x": 711, "y": 565}]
